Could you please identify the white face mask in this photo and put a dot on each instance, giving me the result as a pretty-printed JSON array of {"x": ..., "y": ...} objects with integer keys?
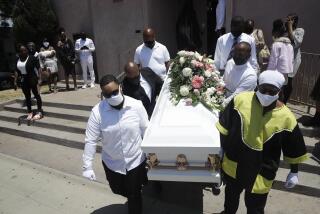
[
  {"x": 265, "y": 99},
  {"x": 115, "y": 100},
  {"x": 46, "y": 44}
]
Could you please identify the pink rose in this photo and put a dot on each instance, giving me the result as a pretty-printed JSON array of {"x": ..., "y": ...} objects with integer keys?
[
  {"x": 197, "y": 81},
  {"x": 208, "y": 66},
  {"x": 197, "y": 64},
  {"x": 220, "y": 88}
]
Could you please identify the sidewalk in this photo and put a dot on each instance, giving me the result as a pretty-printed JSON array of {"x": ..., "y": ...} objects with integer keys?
[{"x": 26, "y": 188}]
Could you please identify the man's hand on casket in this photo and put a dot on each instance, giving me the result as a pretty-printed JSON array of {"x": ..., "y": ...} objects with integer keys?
[
  {"x": 89, "y": 173},
  {"x": 292, "y": 180}
]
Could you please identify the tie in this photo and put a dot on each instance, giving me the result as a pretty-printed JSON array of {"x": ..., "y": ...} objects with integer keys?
[{"x": 235, "y": 41}]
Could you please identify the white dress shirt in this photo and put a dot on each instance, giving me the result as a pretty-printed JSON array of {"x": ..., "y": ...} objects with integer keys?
[
  {"x": 121, "y": 132},
  {"x": 224, "y": 46},
  {"x": 145, "y": 85},
  {"x": 220, "y": 14},
  {"x": 154, "y": 58},
  {"x": 84, "y": 54},
  {"x": 239, "y": 78}
]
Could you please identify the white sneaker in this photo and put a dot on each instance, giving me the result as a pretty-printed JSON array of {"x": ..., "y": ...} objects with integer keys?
[
  {"x": 84, "y": 86},
  {"x": 92, "y": 85}
]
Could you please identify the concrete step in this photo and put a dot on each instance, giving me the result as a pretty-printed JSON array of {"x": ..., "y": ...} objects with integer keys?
[
  {"x": 60, "y": 105},
  {"x": 47, "y": 122},
  {"x": 63, "y": 138},
  {"x": 64, "y": 113}
]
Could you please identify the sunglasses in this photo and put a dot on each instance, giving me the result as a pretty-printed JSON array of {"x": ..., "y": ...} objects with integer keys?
[
  {"x": 113, "y": 93},
  {"x": 268, "y": 91}
]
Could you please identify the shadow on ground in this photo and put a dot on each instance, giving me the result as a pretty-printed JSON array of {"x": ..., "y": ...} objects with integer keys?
[{"x": 114, "y": 208}]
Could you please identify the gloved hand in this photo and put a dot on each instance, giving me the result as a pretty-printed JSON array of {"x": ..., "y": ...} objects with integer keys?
[
  {"x": 89, "y": 173},
  {"x": 292, "y": 180}
]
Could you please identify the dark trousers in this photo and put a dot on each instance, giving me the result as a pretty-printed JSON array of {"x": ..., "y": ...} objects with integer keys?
[
  {"x": 27, "y": 86},
  {"x": 287, "y": 90},
  {"x": 128, "y": 185},
  {"x": 255, "y": 203}
]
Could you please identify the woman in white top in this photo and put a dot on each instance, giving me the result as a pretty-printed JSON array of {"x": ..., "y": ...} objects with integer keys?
[
  {"x": 48, "y": 63},
  {"x": 28, "y": 70},
  {"x": 281, "y": 58}
]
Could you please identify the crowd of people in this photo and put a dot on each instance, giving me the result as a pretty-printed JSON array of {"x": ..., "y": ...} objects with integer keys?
[{"x": 254, "y": 128}]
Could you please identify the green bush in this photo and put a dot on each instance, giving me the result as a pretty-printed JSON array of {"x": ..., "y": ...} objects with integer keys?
[{"x": 34, "y": 20}]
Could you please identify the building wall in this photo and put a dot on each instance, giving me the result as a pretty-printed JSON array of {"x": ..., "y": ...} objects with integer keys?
[
  {"x": 114, "y": 25},
  {"x": 264, "y": 12}
]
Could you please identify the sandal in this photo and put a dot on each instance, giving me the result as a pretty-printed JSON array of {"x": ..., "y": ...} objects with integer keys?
[
  {"x": 30, "y": 115},
  {"x": 38, "y": 116}
]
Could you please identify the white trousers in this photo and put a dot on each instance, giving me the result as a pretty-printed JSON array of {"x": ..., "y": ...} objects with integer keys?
[{"x": 87, "y": 63}]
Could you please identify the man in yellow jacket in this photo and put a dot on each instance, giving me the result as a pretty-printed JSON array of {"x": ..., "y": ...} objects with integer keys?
[{"x": 254, "y": 128}]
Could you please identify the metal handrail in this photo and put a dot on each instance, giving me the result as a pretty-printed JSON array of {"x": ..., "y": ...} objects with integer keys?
[{"x": 305, "y": 79}]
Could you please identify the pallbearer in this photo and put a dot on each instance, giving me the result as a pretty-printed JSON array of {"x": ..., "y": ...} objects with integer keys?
[
  {"x": 121, "y": 122},
  {"x": 255, "y": 128}
]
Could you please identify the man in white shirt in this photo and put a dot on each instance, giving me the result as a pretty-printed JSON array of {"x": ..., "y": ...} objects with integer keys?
[
  {"x": 120, "y": 122},
  {"x": 220, "y": 14},
  {"x": 225, "y": 45},
  {"x": 239, "y": 76},
  {"x": 84, "y": 47},
  {"x": 152, "y": 54}
]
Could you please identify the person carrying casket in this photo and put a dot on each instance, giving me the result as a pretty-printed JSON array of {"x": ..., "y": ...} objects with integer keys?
[{"x": 254, "y": 129}]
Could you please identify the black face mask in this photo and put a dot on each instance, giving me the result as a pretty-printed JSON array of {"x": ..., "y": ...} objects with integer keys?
[
  {"x": 239, "y": 60},
  {"x": 150, "y": 44},
  {"x": 134, "y": 81},
  {"x": 83, "y": 36}
]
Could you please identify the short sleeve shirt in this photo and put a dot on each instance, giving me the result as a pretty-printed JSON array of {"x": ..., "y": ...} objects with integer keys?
[{"x": 154, "y": 58}]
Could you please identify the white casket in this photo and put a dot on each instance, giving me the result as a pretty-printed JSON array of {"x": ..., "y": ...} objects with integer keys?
[{"x": 179, "y": 132}]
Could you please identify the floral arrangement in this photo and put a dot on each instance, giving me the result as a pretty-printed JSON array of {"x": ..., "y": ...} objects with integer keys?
[{"x": 194, "y": 78}]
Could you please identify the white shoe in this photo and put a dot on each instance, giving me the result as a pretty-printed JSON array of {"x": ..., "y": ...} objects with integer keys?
[
  {"x": 84, "y": 86},
  {"x": 92, "y": 85}
]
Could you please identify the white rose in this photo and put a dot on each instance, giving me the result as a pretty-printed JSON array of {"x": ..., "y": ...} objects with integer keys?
[
  {"x": 213, "y": 100},
  {"x": 187, "y": 72},
  {"x": 207, "y": 73},
  {"x": 210, "y": 91},
  {"x": 182, "y": 60},
  {"x": 184, "y": 90},
  {"x": 198, "y": 56},
  {"x": 182, "y": 53},
  {"x": 189, "y": 53}
]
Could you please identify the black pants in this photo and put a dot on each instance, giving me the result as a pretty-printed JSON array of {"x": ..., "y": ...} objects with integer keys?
[
  {"x": 255, "y": 203},
  {"x": 128, "y": 185},
  {"x": 287, "y": 90},
  {"x": 27, "y": 86}
]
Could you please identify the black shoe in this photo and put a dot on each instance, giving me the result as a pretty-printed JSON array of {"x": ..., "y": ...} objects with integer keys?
[{"x": 216, "y": 189}]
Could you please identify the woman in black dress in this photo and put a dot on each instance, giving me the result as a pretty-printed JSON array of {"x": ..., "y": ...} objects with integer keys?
[{"x": 28, "y": 70}]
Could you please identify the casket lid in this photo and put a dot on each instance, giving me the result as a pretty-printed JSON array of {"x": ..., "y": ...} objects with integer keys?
[{"x": 181, "y": 125}]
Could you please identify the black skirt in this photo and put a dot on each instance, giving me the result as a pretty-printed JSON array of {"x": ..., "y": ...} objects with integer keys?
[{"x": 315, "y": 94}]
